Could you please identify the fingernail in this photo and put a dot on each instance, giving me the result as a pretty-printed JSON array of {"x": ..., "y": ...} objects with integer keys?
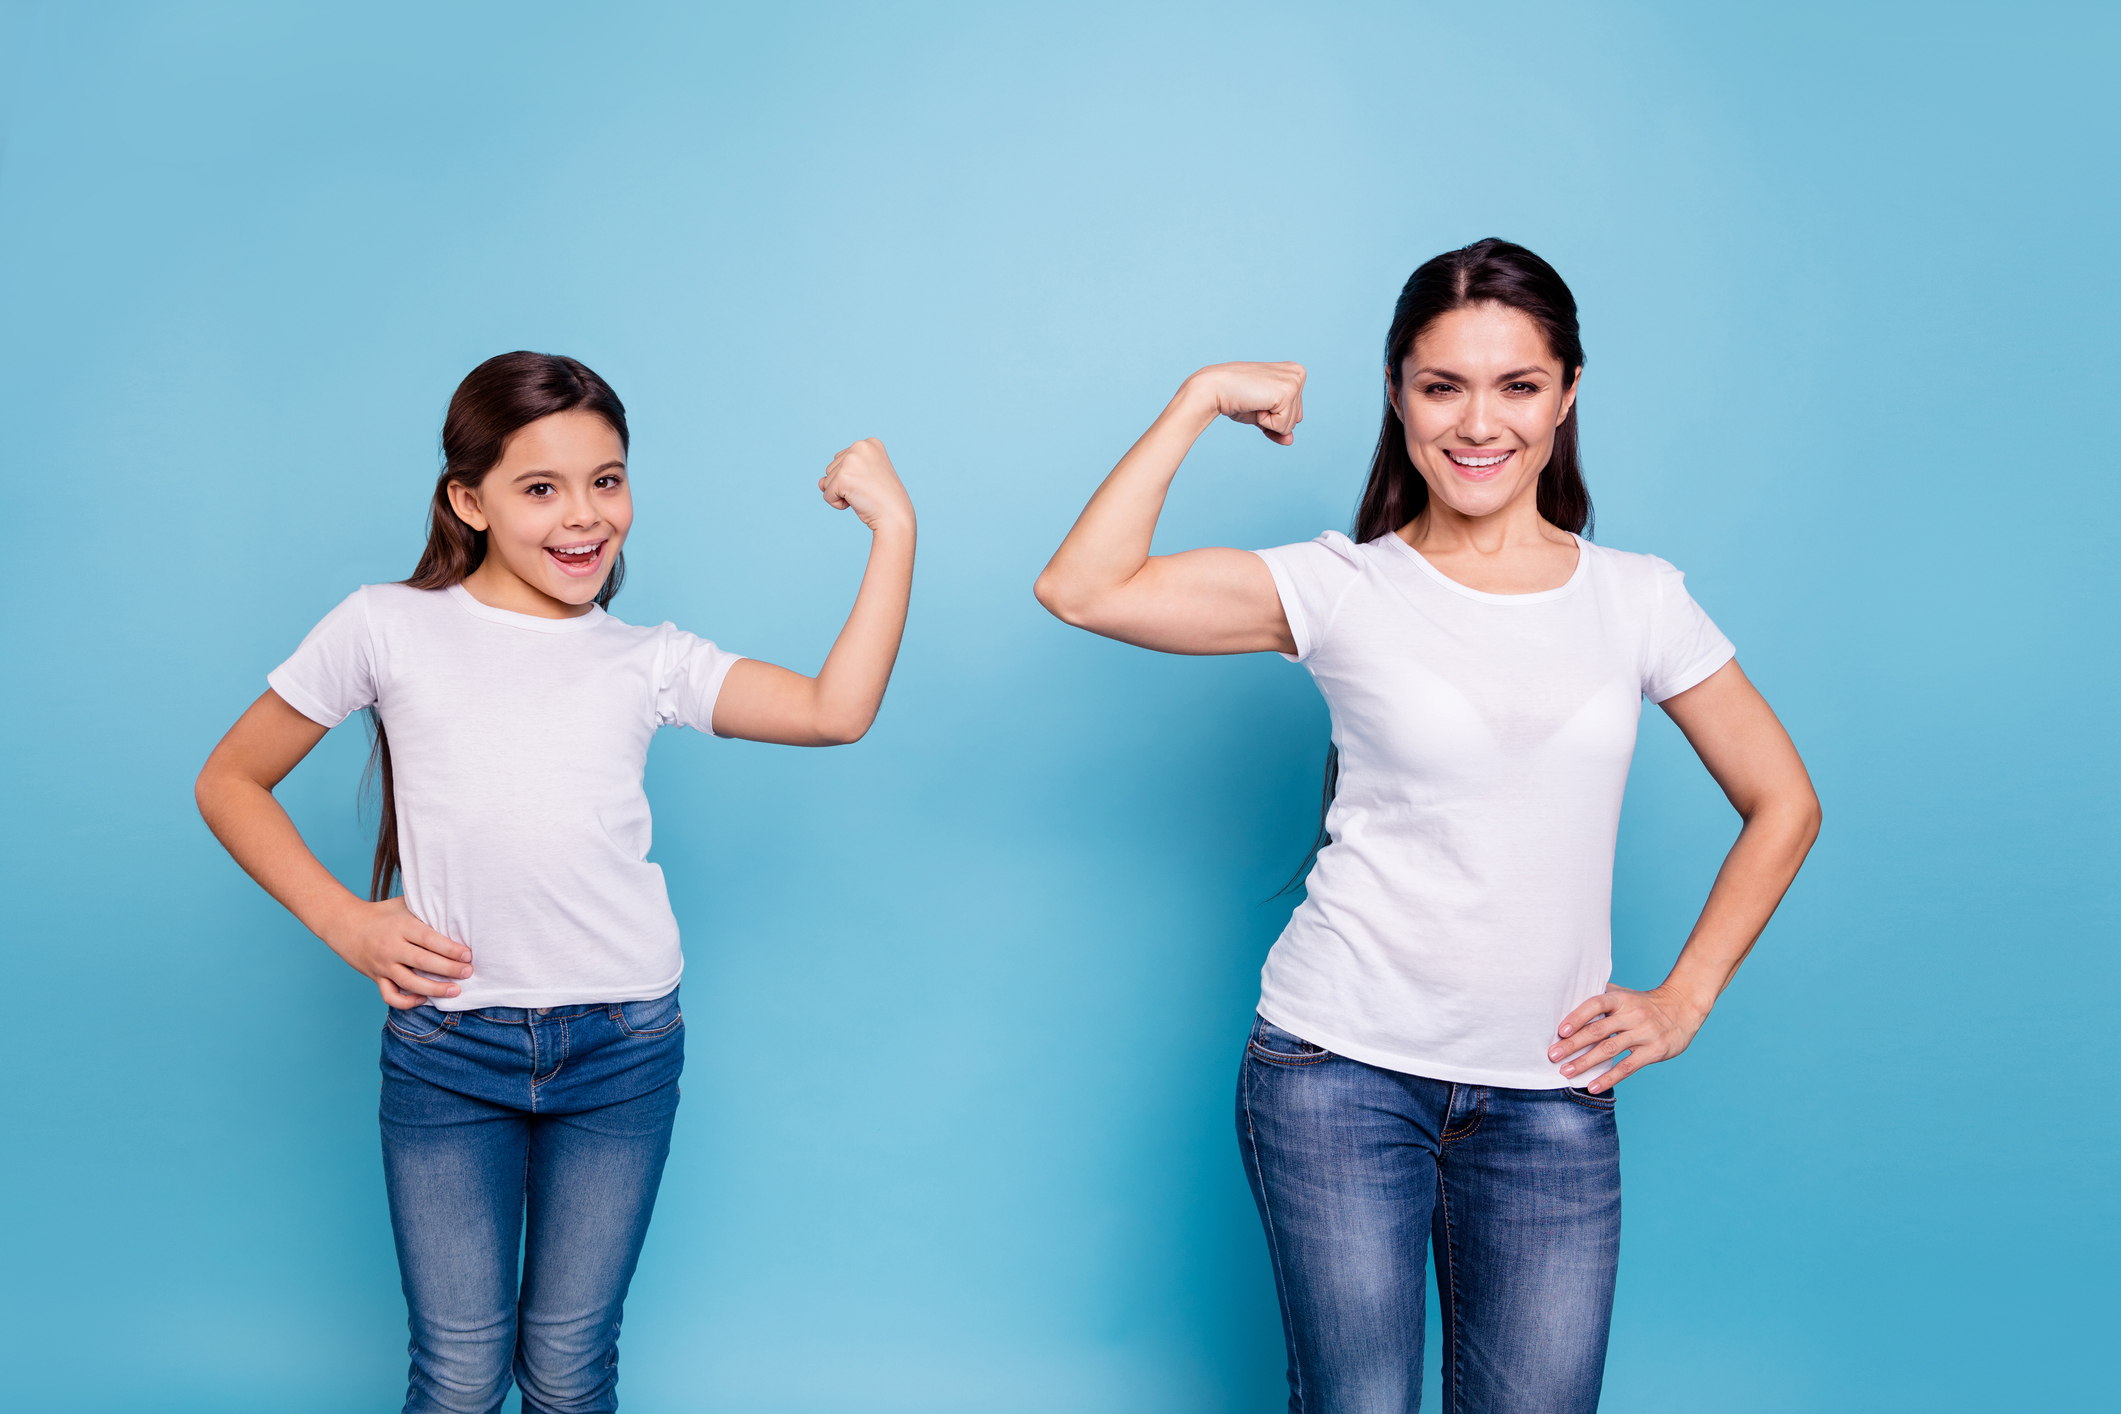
[
  {"x": 465, "y": 973},
  {"x": 1568, "y": 1070},
  {"x": 1567, "y": 1029},
  {"x": 453, "y": 991}
]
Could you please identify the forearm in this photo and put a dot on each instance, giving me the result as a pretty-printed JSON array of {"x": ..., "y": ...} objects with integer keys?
[
  {"x": 1750, "y": 885},
  {"x": 849, "y": 689},
  {"x": 256, "y": 831},
  {"x": 1110, "y": 540}
]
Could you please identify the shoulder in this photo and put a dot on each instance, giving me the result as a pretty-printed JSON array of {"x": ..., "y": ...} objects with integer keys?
[
  {"x": 1631, "y": 570},
  {"x": 397, "y": 599},
  {"x": 1329, "y": 553}
]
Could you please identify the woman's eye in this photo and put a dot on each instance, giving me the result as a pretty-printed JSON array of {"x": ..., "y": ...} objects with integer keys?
[
  {"x": 1523, "y": 388},
  {"x": 1435, "y": 390}
]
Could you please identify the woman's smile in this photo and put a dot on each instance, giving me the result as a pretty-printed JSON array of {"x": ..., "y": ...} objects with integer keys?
[
  {"x": 1477, "y": 463},
  {"x": 582, "y": 558}
]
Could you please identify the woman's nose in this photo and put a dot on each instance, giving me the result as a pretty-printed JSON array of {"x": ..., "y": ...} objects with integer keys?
[{"x": 1478, "y": 423}]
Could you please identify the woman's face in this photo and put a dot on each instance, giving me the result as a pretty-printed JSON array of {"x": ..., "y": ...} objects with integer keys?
[
  {"x": 1481, "y": 395},
  {"x": 556, "y": 507}
]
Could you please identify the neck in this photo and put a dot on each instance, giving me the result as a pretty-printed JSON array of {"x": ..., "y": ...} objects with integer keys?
[
  {"x": 497, "y": 587},
  {"x": 1442, "y": 529}
]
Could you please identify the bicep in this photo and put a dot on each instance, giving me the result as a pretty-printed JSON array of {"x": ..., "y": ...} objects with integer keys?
[
  {"x": 765, "y": 702},
  {"x": 268, "y": 740},
  {"x": 1739, "y": 739},
  {"x": 1197, "y": 601}
]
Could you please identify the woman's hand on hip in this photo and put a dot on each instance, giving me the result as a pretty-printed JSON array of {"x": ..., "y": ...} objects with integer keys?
[
  {"x": 862, "y": 477},
  {"x": 1270, "y": 396},
  {"x": 386, "y": 944},
  {"x": 1650, "y": 1026}
]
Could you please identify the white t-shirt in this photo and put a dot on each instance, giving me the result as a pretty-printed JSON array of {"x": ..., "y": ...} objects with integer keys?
[
  {"x": 517, "y": 746},
  {"x": 1465, "y": 904}
]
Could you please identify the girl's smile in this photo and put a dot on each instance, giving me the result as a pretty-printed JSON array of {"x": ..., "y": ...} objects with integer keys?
[{"x": 579, "y": 560}]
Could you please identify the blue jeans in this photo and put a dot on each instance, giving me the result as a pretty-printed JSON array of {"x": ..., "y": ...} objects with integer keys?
[
  {"x": 561, "y": 1113},
  {"x": 1356, "y": 1168}
]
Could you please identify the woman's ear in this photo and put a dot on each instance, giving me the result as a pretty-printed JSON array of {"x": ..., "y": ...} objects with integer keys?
[
  {"x": 464, "y": 500},
  {"x": 1568, "y": 399}
]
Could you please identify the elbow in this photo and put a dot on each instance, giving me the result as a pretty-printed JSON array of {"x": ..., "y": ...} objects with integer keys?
[
  {"x": 841, "y": 732},
  {"x": 205, "y": 791},
  {"x": 1056, "y": 599}
]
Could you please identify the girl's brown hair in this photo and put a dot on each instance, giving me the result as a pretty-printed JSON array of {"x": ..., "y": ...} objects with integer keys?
[{"x": 495, "y": 401}]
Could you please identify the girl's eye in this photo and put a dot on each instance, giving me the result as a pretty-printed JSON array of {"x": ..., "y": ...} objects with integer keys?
[
  {"x": 540, "y": 489},
  {"x": 608, "y": 483}
]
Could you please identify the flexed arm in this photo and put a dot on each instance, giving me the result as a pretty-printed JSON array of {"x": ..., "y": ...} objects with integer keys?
[
  {"x": 1103, "y": 577},
  {"x": 761, "y": 702}
]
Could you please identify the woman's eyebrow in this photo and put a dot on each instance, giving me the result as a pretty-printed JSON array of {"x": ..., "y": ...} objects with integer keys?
[{"x": 1447, "y": 374}]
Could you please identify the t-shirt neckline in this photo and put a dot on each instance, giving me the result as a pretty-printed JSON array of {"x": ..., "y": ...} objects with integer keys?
[
  {"x": 1568, "y": 586},
  {"x": 469, "y": 602}
]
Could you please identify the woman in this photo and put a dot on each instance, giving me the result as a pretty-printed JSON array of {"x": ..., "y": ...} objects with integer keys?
[{"x": 1437, "y": 1041}]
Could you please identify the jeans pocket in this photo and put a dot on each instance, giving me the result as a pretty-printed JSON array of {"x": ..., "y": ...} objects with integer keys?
[
  {"x": 419, "y": 1024},
  {"x": 647, "y": 1020},
  {"x": 1278, "y": 1047},
  {"x": 1592, "y": 1102}
]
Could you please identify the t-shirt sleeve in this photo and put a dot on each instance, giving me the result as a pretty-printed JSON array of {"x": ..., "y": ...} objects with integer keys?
[
  {"x": 689, "y": 676},
  {"x": 333, "y": 674},
  {"x": 1312, "y": 579},
  {"x": 1685, "y": 647}
]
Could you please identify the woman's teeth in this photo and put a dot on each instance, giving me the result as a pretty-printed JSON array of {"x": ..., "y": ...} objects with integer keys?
[{"x": 1495, "y": 459}]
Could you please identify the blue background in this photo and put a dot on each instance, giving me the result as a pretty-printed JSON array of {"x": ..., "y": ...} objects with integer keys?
[{"x": 966, "y": 999}]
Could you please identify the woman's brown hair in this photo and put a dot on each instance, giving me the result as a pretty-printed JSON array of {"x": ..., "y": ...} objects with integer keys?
[
  {"x": 495, "y": 401},
  {"x": 1485, "y": 272}
]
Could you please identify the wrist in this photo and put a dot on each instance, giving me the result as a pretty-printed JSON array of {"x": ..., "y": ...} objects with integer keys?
[
  {"x": 1196, "y": 402},
  {"x": 335, "y": 920},
  {"x": 895, "y": 524},
  {"x": 1693, "y": 1003}
]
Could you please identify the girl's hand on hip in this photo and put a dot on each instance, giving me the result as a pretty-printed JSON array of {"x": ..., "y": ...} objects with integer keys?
[
  {"x": 862, "y": 478},
  {"x": 1270, "y": 396},
  {"x": 386, "y": 944},
  {"x": 1650, "y": 1026}
]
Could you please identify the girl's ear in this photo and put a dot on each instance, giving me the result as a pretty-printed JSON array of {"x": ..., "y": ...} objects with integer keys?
[{"x": 465, "y": 502}]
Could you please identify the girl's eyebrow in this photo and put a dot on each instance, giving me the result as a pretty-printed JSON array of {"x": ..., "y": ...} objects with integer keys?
[{"x": 523, "y": 476}]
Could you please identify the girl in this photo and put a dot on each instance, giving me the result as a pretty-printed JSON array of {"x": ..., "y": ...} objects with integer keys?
[
  {"x": 1437, "y": 1042},
  {"x": 532, "y": 1050}
]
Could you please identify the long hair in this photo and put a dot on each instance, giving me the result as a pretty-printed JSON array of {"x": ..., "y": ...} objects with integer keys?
[
  {"x": 1485, "y": 272},
  {"x": 495, "y": 401}
]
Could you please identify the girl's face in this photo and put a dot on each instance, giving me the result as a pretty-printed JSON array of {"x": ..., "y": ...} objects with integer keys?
[
  {"x": 555, "y": 509},
  {"x": 1481, "y": 395}
]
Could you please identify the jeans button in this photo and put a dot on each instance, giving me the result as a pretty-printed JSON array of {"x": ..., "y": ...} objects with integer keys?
[{"x": 544, "y": 1010}]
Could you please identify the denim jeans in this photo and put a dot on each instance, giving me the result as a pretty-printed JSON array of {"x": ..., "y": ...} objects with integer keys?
[
  {"x": 1355, "y": 1169},
  {"x": 561, "y": 1114}
]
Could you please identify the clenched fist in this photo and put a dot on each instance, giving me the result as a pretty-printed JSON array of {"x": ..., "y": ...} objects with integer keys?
[
  {"x": 861, "y": 478},
  {"x": 1270, "y": 396}
]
